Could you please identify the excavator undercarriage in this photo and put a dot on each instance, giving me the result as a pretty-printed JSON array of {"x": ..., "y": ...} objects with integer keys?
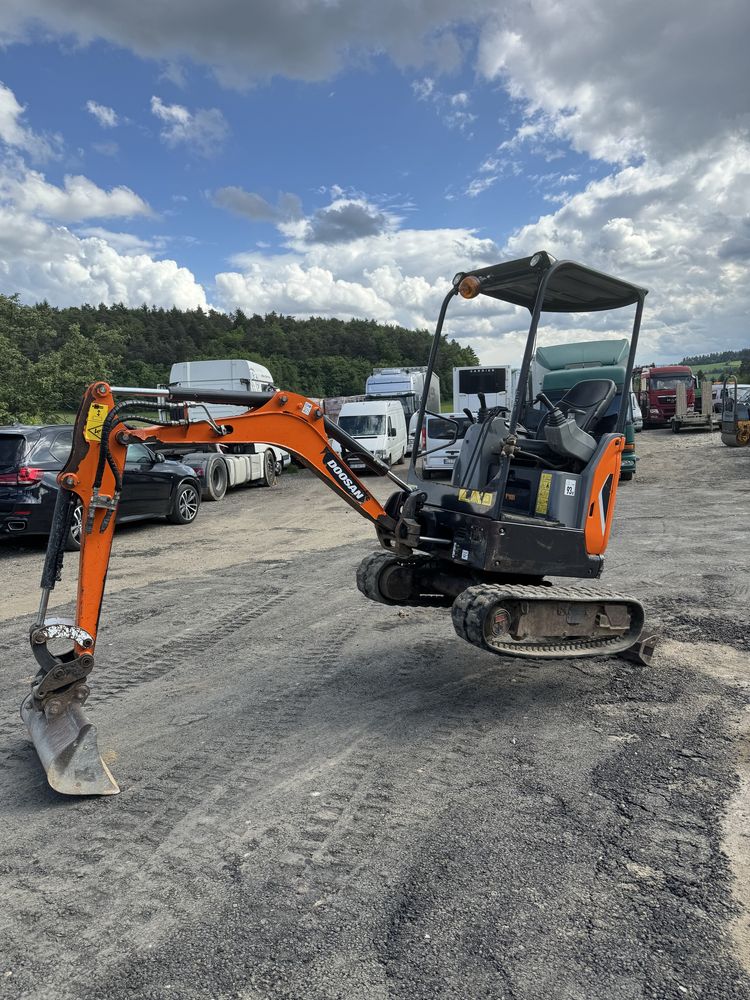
[{"x": 525, "y": 503}]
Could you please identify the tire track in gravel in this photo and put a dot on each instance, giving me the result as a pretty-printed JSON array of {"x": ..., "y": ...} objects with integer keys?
[
  {"x": 110, "y": 682},
  {"x": 157, "y": 841},
  {"x": 376, "y": 790}
]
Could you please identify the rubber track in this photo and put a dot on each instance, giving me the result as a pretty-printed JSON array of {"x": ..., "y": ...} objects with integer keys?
[
  {"x": 369, "y": 570},
  {"x": 471, "y": 608},
  {"x": 368, "y": 576}
]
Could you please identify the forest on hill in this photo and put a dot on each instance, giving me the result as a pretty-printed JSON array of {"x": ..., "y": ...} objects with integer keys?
[{"x": 50, "y": 354}]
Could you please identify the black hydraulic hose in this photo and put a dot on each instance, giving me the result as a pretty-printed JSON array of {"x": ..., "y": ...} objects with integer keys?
[
  {"x": 112, "y": 418},
  {"x": 61, "y": 522}
]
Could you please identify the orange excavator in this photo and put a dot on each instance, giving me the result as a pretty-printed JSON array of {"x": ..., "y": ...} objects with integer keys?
[{"x": 531, "y": 496}]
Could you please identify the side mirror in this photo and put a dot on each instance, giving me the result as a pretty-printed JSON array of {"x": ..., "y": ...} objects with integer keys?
[
  {"x": 392, "y": 432},
  {"x": 159, "y": 456}
]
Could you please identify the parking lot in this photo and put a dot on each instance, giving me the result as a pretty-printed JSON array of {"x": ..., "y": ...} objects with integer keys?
[{"x": 324, "y": 797}]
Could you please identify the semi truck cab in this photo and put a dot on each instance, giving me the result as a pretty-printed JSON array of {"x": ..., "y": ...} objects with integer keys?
[{"x": 656, "y": 388}]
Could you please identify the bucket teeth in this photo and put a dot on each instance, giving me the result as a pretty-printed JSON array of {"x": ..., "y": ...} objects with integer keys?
[{"x": 66, "y": 743}]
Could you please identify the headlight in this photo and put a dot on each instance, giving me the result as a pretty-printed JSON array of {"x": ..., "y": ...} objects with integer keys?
[{"x": 381, "y": 453}]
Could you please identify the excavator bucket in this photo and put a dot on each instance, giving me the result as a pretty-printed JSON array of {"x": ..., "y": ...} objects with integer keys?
[{"x": 66, "y": 744}]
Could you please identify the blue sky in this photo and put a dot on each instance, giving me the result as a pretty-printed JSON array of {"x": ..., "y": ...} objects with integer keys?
[{"x": 321, "y": 158}]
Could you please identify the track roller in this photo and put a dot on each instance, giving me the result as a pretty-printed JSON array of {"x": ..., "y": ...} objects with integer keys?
[{"x": 546, "y": 622}]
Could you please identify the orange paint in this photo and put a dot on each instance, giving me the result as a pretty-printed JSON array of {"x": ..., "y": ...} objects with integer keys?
[{"x": 601, "y": 500}]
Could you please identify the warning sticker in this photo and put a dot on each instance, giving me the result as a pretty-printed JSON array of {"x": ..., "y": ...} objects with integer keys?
[
  {"x": 570, "y": 487},
  {"x": 477, "y": 497},
  {"x": 542, "y": 497},
  {"x": 94, "y": 421},
  {"x": 306, "y": 407}
]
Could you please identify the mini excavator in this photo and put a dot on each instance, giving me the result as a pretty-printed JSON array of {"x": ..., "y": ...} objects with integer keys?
[{"x": 532, "y": 496}]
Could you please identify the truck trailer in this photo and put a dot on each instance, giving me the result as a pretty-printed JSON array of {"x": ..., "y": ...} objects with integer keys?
[
  {"x": 494, "y": 382},
  {"x": 222, "y": 467}
]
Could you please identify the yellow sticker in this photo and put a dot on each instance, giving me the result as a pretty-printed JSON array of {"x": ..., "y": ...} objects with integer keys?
[
  {"x": 475, "y": 496},
  {"x": 94, "y": 421},
  {"x": 542, "y": 497}
]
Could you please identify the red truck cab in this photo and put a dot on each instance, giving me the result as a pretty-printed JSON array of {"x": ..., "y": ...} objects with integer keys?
[{"x": 656, "y": 389}]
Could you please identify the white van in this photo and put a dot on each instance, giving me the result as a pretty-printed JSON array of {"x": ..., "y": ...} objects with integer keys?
[
  {"x": 717, "y": 394},
  {"x": 378, "y": 425},
  {"x": 636, "y": 416},
  {"x": 438, "y": 433}
]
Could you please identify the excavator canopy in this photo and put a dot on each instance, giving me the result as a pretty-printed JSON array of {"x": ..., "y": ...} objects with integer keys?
[{"x": 571, "y": 287}]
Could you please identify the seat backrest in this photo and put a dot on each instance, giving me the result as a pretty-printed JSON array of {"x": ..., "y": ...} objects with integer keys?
[{"x": 588, "y": 400}]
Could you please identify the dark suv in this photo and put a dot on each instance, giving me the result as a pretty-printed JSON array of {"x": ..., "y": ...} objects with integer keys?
[{"x": 31, "y": 457}]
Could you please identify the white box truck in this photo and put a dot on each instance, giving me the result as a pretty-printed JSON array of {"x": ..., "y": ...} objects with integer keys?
[
  {"x": 494, "y": 381},
  {"x": 222, "y": 467},
  {"x": 407, "y": 386}
]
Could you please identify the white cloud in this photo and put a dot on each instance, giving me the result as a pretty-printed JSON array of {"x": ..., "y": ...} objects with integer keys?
[
  {"x": 398, "y": 277},
  {"x": 253, "y": 206},
  {"x": 107, "y": 117},
  {"x": 78, "y": 199},
  {"x": 17, "y": 135},
  {"x": 106, "y": 148},
  {"x": 244, "y": 41},
  {"x": 640, "y": 78},
  {"x": 41, "y": 261},
  {"x": 452, "y": 108},
  {"x": 203, "y": 130},
  {"x": 480, "y": 184},
  {"x": 666, "y": 227},
  {"x": 124, "y": 243}
]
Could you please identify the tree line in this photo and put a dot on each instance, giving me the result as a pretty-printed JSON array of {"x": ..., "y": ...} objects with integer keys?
[
  {"x": 716, "y": 357},
  {"x": 50, "y": 354}
]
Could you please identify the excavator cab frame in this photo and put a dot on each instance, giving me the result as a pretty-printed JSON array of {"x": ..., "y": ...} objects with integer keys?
[
  {"x": 503, "y": 533},
  {"x": 461, "y": 547}
]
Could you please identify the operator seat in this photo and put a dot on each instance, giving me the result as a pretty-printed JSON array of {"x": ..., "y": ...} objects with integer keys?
[{"x": 587, "y": 401}]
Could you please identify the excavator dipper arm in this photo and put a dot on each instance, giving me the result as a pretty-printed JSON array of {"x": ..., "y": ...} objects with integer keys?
[{"x": 64, "y": 738}]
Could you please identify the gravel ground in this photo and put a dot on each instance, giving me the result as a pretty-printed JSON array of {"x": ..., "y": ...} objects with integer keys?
[{"x": 328, "y": 798}]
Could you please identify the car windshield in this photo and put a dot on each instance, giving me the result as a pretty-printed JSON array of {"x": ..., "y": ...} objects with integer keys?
[
  {"x": 670, "y": 381},
  {"x": 444, "y": 430},
  {"x": 52, "y": 447},
  {"x": 363, "y": 424},
  {"x": 11, "y": 449}
]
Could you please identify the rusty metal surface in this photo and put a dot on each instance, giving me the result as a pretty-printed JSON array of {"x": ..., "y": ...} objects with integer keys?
[{"x": 66, "y": 744}]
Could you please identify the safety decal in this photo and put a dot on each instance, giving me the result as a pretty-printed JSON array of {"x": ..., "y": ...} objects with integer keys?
[
  {"x": 95, "y": 421},
  {"x": 350, "y": 485},
  {"x": 542, "y": 497},
  {"x": 570, "y": 487},
  {"x": 477, "y": 497}
]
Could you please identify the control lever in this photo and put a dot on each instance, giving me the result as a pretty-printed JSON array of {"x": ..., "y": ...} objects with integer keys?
[
  {"x": 482, "y": 412},
  {"x": 470, "y": 415}
]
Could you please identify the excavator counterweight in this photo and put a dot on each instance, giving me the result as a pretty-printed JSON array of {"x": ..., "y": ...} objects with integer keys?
[{"x": 532, "y": 496}]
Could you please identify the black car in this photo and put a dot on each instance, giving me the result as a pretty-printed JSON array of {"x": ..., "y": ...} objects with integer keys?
[{"x": 31, "y": 457}]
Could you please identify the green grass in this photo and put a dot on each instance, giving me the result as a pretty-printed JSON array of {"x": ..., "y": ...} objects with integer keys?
[{"x": 717, "y": 368}]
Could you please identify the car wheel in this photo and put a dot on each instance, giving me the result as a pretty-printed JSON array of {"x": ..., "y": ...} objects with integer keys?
[
  {"x": 216, "y": 479},
  {"x": 186, "y": 503},
  {"x": 269, "y": 469},
  {"x": 73, "y": 539},
  {"x": 626, "y": 476}
]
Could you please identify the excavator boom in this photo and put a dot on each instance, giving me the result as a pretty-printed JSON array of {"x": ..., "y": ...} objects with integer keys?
[{"x": 53, "y": 711}]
